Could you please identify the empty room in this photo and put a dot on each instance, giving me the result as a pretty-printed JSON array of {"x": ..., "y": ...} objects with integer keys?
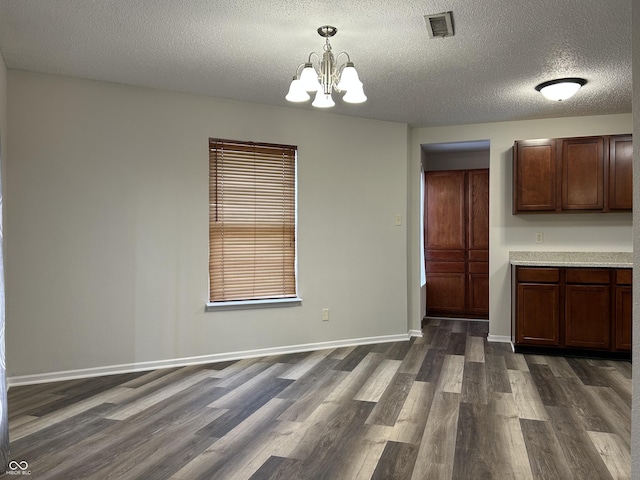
[{"x": 318, "y": 240}]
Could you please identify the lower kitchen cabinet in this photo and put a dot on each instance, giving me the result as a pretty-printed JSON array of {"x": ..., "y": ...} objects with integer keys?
[
  {"x": 623, "y": 303},
  {"x": 575, "y": 309}
]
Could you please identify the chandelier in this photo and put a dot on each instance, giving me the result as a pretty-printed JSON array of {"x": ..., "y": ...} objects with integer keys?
[{"x": 326, "y": 75}]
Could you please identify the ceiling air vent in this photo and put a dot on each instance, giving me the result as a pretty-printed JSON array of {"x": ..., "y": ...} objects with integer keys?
[{"x": 439, "y": 25}]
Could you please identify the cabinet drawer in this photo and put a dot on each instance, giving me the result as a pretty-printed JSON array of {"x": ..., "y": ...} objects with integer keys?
[
  {"x": 539, "y": 275},
  {"x": 445, "y": 267},
  {"x": 433, "y": 255},
  {"x": 478, "y": 255},
  {"x": 623, "y": 277},
  {"x": 587, "y": 276},
  {"x": 478, "y": 267}
]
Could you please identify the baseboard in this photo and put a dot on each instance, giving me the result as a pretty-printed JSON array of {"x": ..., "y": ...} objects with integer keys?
[
  {"x": 499, "y": 338},
  {"x": 415, "y": 333},
  {"x": 203, "y": 359}
]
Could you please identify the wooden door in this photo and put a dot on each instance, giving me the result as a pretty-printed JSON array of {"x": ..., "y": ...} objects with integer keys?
[
  {"x": 535, "y": 176},
  {"x": 445, "y": 210},
  {"x": 457, "y": 242},
  {"x": 620, "y": 172},
  {"x": 478, "y": 242},
  {"x": 582, "y": 173},
  {"x": 445, "y": 242}
]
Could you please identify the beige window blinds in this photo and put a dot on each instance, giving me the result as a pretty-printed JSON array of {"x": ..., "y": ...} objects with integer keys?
[{"x": 252, "y": 221}]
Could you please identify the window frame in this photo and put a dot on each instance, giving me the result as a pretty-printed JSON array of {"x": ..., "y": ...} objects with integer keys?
[{"x": 217, "y": 145}]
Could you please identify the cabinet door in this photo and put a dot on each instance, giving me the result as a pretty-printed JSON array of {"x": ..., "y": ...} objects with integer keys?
[
  {"x": 624, "y": 302},
  {"x": 587, "y": 316},
  {"x": 446, "y": 293},
  {"x": 538, "y": 314},
  {"x": 534, "y": 176},
  {"x": 478, "y": 208},
  {"x": 478, "y": 288},
  {"x": 582, "y": 173},
  {"x": 445, "y": 210},
  {"x": 620, "y": 172},
  {"x": 478, "y": 242}
]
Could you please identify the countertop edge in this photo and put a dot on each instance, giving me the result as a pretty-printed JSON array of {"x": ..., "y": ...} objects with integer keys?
[{"x": 572, "y": 259}]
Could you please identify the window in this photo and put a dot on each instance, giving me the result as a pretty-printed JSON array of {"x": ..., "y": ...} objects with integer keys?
[{"x": 252, "y": 221}]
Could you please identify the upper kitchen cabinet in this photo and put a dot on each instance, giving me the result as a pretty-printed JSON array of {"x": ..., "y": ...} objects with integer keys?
[
  {"x": 620, "y": 172},
  {"x": 534, "y": 176},
  {"x": 582, "y": 173},
  {"x": 591, "y": 174}
]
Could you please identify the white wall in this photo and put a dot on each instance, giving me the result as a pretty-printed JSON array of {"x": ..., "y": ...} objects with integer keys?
[
  {"x": 566, "y": 232},
  {"x": 107, "y": 226}
]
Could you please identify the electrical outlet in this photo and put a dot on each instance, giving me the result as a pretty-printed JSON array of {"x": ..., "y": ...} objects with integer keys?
[
  {"x": 539, "y": 237},
  {"x": 325, "y": 314},
  {"x": 398, "y": 220}
]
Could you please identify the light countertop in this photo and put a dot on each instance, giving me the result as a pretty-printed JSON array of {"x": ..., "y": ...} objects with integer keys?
[{"x": 572, "y": 259}]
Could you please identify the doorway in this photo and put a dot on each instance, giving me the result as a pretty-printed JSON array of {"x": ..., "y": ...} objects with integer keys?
[{"x": 456, "y": 229}]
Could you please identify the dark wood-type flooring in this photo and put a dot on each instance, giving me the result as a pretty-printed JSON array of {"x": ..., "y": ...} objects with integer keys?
[{"x": 448, "y": 405}]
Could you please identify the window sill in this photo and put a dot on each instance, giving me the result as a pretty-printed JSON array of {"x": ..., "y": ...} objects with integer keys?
[{"x": 246, "y": 304}]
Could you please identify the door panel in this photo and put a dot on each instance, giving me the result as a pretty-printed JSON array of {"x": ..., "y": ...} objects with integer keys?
[{"x": 445, "y": 210}]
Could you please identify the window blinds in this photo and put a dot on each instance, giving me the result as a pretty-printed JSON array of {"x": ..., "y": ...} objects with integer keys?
[{"x": 252, "y": 221}]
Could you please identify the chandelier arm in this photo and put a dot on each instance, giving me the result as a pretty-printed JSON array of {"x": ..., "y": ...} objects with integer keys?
[
  {"x": 338, "y": 76},
  {"x": 299, "y": 69},
  {"x": 311, "y": 55},
  {"x": 343, "y": 53}
]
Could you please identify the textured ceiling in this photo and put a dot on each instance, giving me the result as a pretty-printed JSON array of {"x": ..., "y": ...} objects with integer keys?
[{"x": 249, "y": 50}]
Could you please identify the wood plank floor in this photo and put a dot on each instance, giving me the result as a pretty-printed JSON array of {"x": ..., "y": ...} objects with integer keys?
[{"x": 445, "y": 406}]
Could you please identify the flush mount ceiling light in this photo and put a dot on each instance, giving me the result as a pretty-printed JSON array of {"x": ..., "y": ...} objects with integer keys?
[
  {"x": 561, "y": 88},
  {"x": 326, "y": 75}
]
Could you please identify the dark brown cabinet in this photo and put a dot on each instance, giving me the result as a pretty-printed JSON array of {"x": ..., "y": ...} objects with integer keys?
[
  {"x": 580, "y": 309},
  {"x": 538, "y": 299},
  {"x": 587, "y": 305},
  {"x": 534, "y": 176},
  {"x": 582, "y": 173},
  {"x": 572, "y": 174},
  {"x": 457, "y": 242},
  {"x": 620, "y": 172},
  {"x": 623, "y": 305}
]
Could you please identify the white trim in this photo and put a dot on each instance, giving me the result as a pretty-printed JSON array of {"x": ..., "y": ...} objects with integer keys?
[
  {"x": 499, "y": 338},
  {"x": 243, "y": 304},
  {"x": 415, "y": 333},
  {"x": 203, "y": 359}
]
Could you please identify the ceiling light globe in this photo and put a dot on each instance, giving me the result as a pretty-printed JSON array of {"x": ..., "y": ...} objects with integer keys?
[
  {"x": 561, "y": 89},
  {"x": 309, "y": 78},
  {"x": 349, "y": 78},
  {"x": 323, "y": 100},
  {"x": 355, "y": 95},
  {"x": 297, "y": 93}
]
